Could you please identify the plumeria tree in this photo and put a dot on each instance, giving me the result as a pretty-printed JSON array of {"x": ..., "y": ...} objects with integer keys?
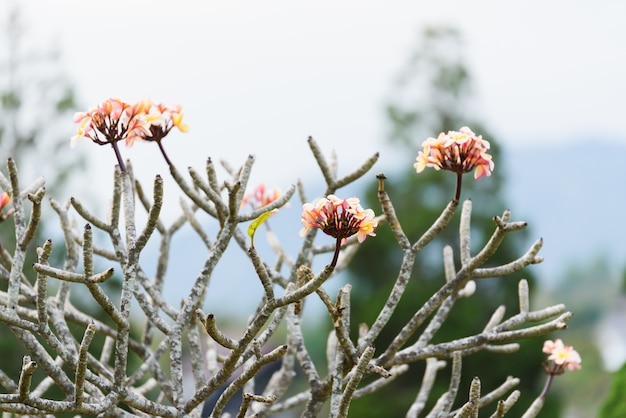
[{"x": 185, "y": 355}]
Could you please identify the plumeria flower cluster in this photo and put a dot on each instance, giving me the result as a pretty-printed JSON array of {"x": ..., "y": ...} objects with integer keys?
[
  {"x": 115, "y": 120},
  {"x": 111, "y": 121},
  {"x": 161, "y": 120},
  {"x": 261, "y": 196},
  {"x": 339, "y": 218},
  {"x": 560, "y": 357},
  {"x": 458, "y": 151},
  {"x": 258, "y": 198}
]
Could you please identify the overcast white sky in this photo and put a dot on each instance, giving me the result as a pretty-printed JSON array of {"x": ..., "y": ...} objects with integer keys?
[{"x": 259, "y": 77}]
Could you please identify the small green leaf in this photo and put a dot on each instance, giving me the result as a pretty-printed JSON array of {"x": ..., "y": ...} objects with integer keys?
[{"x": 258, "y": 222}]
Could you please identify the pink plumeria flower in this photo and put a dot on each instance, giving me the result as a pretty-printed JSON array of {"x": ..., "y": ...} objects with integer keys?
[
  {"x": 339, "y": 218},
  {"x": 160, "y": 120},
  {"x": 459, "y": 151},
  {"x": 562, "y": 355},
  {"x": 5, "y": 199},
  {"x": 261, "y": 196},
  {"x": 111, "y": 121}
]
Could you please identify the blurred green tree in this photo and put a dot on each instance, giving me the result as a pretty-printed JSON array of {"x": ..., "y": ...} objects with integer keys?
[
  {"x": 36, "y": 97},
  {"x": 614, "y": 406},
  {"x": 595, "y": 293},
  {"x": 432, "y": 95}
]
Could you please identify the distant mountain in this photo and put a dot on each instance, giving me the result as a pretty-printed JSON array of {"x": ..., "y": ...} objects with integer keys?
[{"x": 574, "y": 196}]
